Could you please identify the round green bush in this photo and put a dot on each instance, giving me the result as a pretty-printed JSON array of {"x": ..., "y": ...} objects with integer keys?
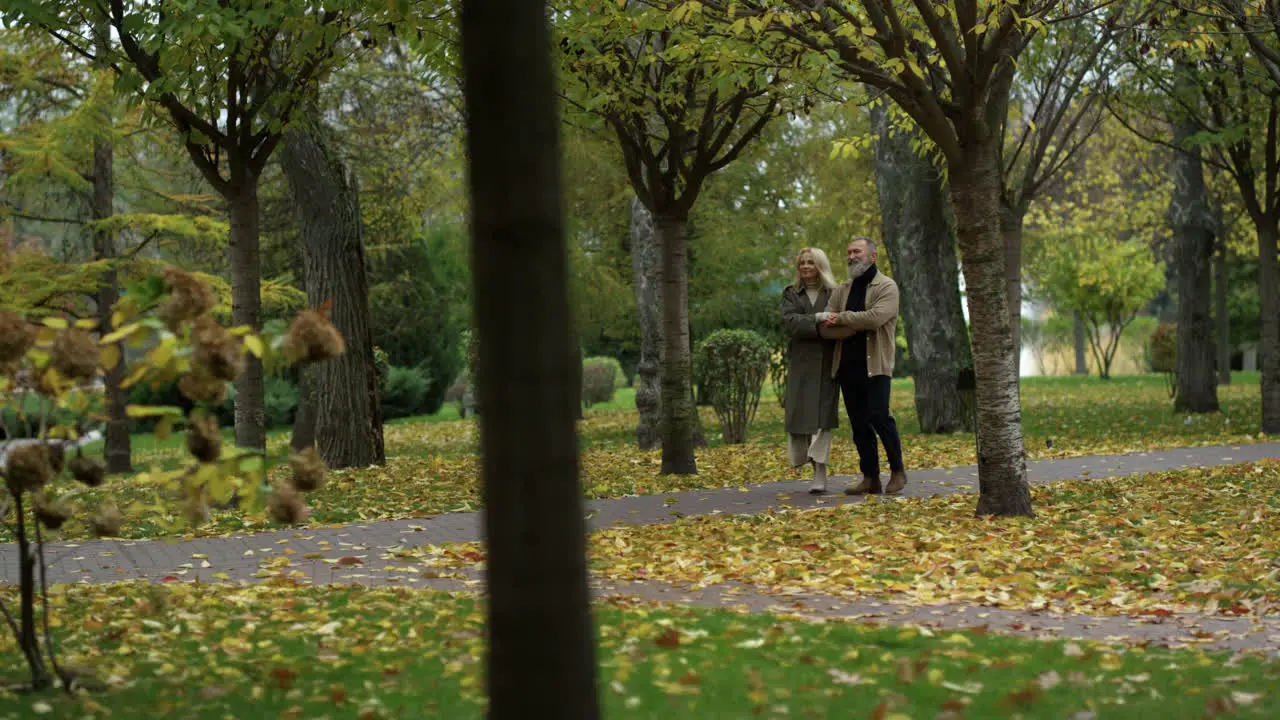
[
  {"x": 405, "y": 392},
  {"x": 599, "y": 378},
  {"x": 732, "y": 366}
]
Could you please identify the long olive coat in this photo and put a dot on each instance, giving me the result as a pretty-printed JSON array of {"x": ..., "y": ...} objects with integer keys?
[{"x": 813, "y": 397}]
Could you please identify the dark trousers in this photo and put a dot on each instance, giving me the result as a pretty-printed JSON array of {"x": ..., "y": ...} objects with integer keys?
[{"x": 866, "y": 400}]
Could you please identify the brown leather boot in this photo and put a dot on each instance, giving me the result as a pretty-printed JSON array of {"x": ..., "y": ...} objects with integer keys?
[
  {"x": 897, "y": 481},
  {"x": 869, "y": 486}
]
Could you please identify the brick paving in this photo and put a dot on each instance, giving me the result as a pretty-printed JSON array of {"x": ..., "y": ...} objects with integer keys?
[{"x": 363, "y": 553}]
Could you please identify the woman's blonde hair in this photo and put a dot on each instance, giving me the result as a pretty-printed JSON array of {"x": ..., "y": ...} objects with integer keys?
[{"x": 825, "y": 277}]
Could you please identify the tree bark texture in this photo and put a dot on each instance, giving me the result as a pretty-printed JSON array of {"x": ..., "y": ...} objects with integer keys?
[
  {"x": 1269, "y": 350},
  {"x": 304, "y": 421},
  {"x": 1221, "y": 318},
  {"x": 1193, "y": 233},
  {"x": 246, "y": 309},
  {"x": 679, "y": 413},
  {"x": 1002, "y": 467},
  {"x": 1011, "y": 232},
  {"x": 1080, "y": 345},
  {"x": 348, "y": 421},
  {"x": 540, "y": 656},
  {"x": 646, "y": 270},
  {"x": 919, "y": 236},
  {"x": 118, "y": 450}
]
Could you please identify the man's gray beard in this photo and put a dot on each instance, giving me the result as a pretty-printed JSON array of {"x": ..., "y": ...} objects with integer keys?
[{"x": 858, "y": 269}]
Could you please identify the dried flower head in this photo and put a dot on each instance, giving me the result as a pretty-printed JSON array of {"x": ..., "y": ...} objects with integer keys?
[
  {"x": 200, "y": 386},
  {"x": 215, "y": 350},
  {"x": 89, "y": 470},
  {"x": 107, "y": 522},
  {"x": 75, "y": 354},
  {"x": 189, "y": 297},
  {"x": 204, "y": 441},
  {"x": 285, "y": 505},
  {"x": 51, "y": 513},
  {"x": 309, "y": 469},
  {"x": 312, "y": 338},
  {"x": 29, "y": 468},
  {"x": 16, "y": 337},
  {"x": 57, "y": 457},
  {"x": 196, "y": 510}
]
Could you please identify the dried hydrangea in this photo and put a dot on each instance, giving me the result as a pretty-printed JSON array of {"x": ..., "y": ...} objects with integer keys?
[
  {"x": 215, "y": 350},
  {"x": 189, "y": 297},
  {"x": 28, "y": 468},
  {"x": 51, "y": 513},
  {"x": 75, "y": 354},
  {"x": 16, "y": 337},
  {"x": 312, "y": 338},
  {"x": 285, "y": 505},
  {"x": 309, "y": 469},
  {"x": 200, "y": 386},
  {"x": 89, "y": 470},
  {"x": 107, "y": 522}
]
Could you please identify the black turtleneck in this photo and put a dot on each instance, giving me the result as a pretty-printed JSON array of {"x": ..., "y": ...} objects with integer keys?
[{"x": 853, "y": 355}]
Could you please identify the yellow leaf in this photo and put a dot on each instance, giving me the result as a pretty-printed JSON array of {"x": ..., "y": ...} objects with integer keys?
[
  {"x": 142, "y": 411},
  {"x": 56, "y": 323},
  {"x": 109, "y": 357},
  {"x": 87, "y": 323},
  {"x": 121, "y": 334},
  {"x": 255, "y": 346}
]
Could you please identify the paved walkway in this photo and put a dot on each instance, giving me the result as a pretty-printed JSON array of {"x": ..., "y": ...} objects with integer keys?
[{"x": 365, "y": 553}]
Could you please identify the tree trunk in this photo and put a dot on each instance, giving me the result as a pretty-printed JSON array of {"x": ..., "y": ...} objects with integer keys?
[
  {"x": 1011, "y": 232},
  {"x": 118, "y": 449},
  {"x": 1080, "y": 344},
  {"x": 1269, "y": 349},
  {"x": 1002, "y": 466},
  {"x": 348, "y": 422},
  {"x": 246, "y": 309},
  {"x": 920, "y": 239},
  {"x": 1193, "y": 239},
  {"x": 28, "y": 638},
  {"x": 1221, "y": 318},
  {"x": 304, "y": 421},
  {"x": 679, "y": 413},
  {"x": 647, "y": 273},
  {"x": 541, "y": 656}
]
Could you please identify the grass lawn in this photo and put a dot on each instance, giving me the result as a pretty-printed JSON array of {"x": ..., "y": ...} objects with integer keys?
[
  {"x": 433, "y": 466},
  {"x": 1173, "y": 543},
  {"x": 299, "y": 652}
]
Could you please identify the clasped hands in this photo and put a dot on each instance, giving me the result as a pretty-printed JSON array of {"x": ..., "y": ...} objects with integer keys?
[{"x": 827, "y": 319}]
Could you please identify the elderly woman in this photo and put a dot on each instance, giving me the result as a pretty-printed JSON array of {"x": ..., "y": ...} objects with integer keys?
[{"x": 812, "y": 397}]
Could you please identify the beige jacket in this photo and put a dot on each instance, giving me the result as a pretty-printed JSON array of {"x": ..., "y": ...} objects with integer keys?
[{"x": 880, "y": 317}]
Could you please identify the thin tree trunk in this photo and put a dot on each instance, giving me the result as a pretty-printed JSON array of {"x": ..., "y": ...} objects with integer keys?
[
  {"x": 304, "y": 421},
  {"x": 920, "y": 239},
  {"x": 1193, "y": 238},
  {"x": 246, "y": 309},
  {"x": 348, "y": 424},
  {"x": 647, "y": 273},
  {"x": 1269, "y": 348},
  {"x": 679, "y": 418},
  {"x": 1080, "y": 344},
  {"x": 28, "y": 638},
  {"x": 1221, "y": 318},
  {"x": 1002, "y": 467},
  {"x": 117, "y": 449},
  {"x": 541, "y": 657}
]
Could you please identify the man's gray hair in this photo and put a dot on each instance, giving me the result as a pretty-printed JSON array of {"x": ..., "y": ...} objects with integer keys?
[{"x": 871, "y": 244}]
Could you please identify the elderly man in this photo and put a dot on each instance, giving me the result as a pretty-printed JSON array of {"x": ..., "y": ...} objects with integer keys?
[{"x": 863, "y": 315}]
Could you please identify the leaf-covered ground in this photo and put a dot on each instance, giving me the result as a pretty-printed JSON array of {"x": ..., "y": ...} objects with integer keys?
[
  {"x": 1196, "y": 541},
  {"x": 434, "y": 468},
  {"x": 272, "y": 651}
]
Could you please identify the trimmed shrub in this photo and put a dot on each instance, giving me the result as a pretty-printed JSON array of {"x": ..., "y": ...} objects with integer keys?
[
  {"x": 732, "y": 367},
  {"x": 598, "y": 378},
  {"x": 405, "y": 392}
]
